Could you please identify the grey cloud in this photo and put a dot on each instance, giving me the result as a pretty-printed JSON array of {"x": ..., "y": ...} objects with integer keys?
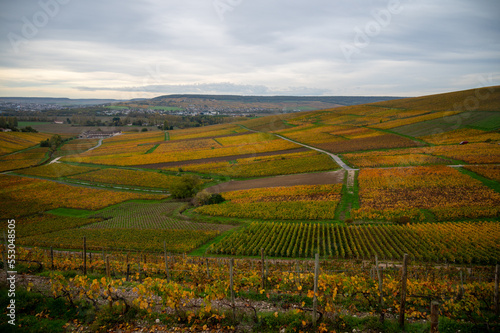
[{"x": 257, "y": 44}]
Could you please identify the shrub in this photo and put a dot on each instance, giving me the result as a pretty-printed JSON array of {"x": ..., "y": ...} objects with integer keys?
[{"x": 403, "y": 220}]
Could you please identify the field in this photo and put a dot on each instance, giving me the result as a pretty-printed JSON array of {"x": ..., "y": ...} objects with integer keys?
[
  {"x": 179, "y": 241},
  {"x": 156, "y": 216},
  {"x": 461, "y": 242},
  {"x": 203, "y": 132},
  {"x": 55, "y": 170},
  {"x": 261, "y": 166},
  {"x": 25, "y": 196},
  {"x": 423, "y": 193},
  {"x": 76, "y": 147},
  {"x": 132, "y": 153},
  {"x": 339, "y": 139},
  {"x": 15, "y": 141},
  {"x": 23, "y": 159},
  {"x": 128, "y": 177},
  {"x": 488, "y": 171},
  {"x": 302, "y": 202}
]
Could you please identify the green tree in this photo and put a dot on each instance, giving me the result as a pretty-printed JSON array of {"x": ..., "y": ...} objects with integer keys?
[{"x": 186, "y": 187}]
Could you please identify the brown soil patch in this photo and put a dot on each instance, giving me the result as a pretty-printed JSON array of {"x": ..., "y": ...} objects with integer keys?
[
  {"x": 320, "y": 178},
  {"x": 219, "y": 159}
]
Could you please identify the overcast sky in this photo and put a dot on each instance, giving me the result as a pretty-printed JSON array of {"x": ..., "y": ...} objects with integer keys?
[{"x": 144, "y": 48}]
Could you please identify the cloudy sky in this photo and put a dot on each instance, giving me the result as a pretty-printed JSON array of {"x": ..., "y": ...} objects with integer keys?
[{"x": 144, "y": 48}]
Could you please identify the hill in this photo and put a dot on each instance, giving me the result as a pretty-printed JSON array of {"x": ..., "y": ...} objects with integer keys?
[
  {"x": 57, "y": 101},
  {"x": 237, "y": 103}
]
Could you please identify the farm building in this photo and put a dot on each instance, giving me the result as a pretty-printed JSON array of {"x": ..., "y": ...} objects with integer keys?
[{"x": 99, "y": 134}]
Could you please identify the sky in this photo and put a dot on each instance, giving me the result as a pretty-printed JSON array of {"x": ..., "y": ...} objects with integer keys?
[{"x": 125, "y": 49}]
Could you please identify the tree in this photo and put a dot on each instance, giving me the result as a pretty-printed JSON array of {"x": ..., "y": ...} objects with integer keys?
[
  {"x": 29, "y": 129},
  {"x": 206, "y": 198},
  {"x": 185, "y": 187}
]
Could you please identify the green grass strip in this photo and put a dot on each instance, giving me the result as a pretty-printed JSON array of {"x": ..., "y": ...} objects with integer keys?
[
  {"x": 494, "y": 185},
  {"x": 152, "y": 149},
  {"x": 71, "y": 212}
]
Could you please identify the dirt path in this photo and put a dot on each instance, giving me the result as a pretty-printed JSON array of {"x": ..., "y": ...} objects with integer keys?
[
  {"x": 320, "y": 178},
  {"x": 337, "y": 159}
]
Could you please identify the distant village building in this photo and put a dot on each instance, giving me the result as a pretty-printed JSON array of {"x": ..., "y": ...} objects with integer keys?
[
  {"x": 58, "y": 122},
  {"x": 99, "y": 134}
]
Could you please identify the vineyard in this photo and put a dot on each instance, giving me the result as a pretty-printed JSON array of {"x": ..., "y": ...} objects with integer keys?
[
  {"x": 302, "y": 202},
  {"x": 15, "y": 141},
  {"x": 55, "y": 170},
  {"x": 149, "y": 216},
  {"x": 218, "y": 293},
  {"x": 423, "y": 193},
  {"x": 488, "y": 171},
  {"x": 128, "y": 177},
  {"x": 149, "y": 240},
  {"x": 23, "y": 159},
  {"x": 263, "y": 166},
  {"x": 25, "y": 196},
  {"x": 182, "y": 150},
  {"x": 461, "y": 242},
  {"x": 76, "y": 147},
  {"x": 215, "y": 130}
]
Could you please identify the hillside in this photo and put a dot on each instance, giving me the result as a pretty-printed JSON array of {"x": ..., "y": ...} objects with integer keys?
[
  {"x": 363, "y": 188},
  {"x": 237, "y": 103}
]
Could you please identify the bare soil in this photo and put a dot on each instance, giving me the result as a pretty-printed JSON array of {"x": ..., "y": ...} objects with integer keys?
[
  {"x": 218, "y": 159},
  {"x": 320, "y": 178}
]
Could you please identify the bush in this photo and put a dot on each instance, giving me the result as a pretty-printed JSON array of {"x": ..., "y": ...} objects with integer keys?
[{"x": 402, "y": 220}]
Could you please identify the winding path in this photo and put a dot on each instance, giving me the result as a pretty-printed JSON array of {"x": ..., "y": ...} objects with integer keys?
[
  {"x": 56, "y": 160},
  {"x": 333, "y": 156}
]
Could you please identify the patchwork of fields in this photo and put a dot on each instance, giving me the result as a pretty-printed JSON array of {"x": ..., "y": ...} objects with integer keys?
[{"x": 427, "y": 183}]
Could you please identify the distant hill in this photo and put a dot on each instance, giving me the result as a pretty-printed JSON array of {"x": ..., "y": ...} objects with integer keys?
[
  {"x": 339, "y": 100},
  {"x": 58, "y": 101},
  {"x": 237, "y": 103}
]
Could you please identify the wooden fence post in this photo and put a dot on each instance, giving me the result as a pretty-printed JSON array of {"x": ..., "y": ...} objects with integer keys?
[
  {"x": 231, "y": 286},
  {"x": 208, "y": 268},
  {"x": 434, "y": 316},
  {"x": 315, "y": 298},
  {"x": 496, "y": 289},
  {"x": 166, "y": 260},
  {"x": 128, "y": 272},
  {"x": 403, "y": 291},
  {"x": 84, "y": 255},
  {"x": 52, "y": 258},
  {"x": 380, "y": 289},
  {"x": 263, "y": 278},
  {"x": 108, "y": 273}
]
